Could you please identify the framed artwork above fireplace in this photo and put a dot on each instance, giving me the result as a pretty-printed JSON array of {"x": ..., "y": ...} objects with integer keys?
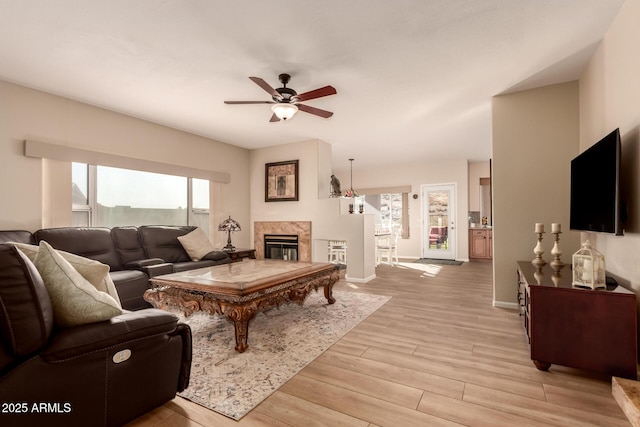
[{"x": 281, "y": 181}]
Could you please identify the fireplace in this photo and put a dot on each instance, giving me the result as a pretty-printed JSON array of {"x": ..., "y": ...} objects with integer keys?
[
  {"x": 300, "y": 229},
  {"x": 281, "y": 246}
]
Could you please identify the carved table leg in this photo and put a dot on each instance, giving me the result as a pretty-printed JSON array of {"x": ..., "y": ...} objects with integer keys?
[
  {"x": 328, "y": 293},
  {"x": 240, "y": 316},
  {"x": 542, "y": 366},
  {"x": 328, "y": 288}
]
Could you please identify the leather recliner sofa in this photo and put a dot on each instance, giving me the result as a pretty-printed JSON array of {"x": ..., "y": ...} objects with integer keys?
[
  {"x": 98, "y": 374},
  {"x": 133, "y": 254},
  {"x": 162, "y": 242},
  {"x": 96, "y": 243}
]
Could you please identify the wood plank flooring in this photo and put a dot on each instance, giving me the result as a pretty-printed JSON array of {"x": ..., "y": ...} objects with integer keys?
[{"x": 437, "y": 354}]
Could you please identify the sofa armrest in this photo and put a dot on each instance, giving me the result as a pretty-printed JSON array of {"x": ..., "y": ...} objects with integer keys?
[
  {"x": 216, "y": 256},
  {"x": 72, "y": 342},
  {"x": 185, "y": 368},
  {"x": 152, "y": 267},
  {"x": 138, "y": 264},
  {"x": 157, "y": 270}
]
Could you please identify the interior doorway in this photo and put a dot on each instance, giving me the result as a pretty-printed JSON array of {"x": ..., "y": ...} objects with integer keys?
[{"x": 438, "y": 221}]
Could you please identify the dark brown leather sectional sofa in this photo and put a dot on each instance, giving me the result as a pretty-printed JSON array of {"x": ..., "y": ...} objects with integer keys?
[
  {"x": 133, "y": 254},
  {"x": 98, "y": 374}
]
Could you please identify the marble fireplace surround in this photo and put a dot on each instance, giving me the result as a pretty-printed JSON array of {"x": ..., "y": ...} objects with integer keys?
[{"x": 302, "y": 229}]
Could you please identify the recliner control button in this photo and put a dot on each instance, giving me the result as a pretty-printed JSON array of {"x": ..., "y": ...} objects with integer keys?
[{"x": 122, "y": 356}]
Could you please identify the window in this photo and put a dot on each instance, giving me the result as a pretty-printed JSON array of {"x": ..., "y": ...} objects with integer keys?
[
  {"x": 392, "y": 209},
  {"x": 81, "y": 216},
  {"x": 200, "y": 204},
  {"x": 118, "y": 197}
]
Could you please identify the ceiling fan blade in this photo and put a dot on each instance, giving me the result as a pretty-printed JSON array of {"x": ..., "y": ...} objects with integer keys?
[
  {"x": 318, "y": 93},
  {"x": 313, "y": 110},
  {"x": 248, "y": 102},
  {"x": 274, "y": 118},
  {"x": 264, "y": 85}
]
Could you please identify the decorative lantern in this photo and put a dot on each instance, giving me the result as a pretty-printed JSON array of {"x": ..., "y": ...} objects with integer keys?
[{"x": 588, "y": 268}]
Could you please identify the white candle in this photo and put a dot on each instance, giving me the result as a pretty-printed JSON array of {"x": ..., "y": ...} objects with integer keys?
[
  {"x": 587, "y": 272},
  {"x": 539, "y": 227},
  {"x": 555, "y": 227}
]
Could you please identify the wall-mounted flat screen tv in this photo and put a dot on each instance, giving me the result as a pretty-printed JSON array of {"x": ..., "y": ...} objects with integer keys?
[{"x": 595, "y": 187}]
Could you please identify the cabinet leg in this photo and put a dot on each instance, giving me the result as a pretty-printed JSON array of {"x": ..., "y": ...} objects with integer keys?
[{"x": 543, "y": 366}]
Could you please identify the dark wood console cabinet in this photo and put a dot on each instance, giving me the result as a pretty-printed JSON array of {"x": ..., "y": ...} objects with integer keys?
[{"x": 594, "y": 330}]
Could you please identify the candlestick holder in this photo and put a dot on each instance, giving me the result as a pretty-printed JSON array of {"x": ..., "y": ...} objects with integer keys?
[
  {"x": 556, "y": 264},
  {"x": 556, "y": 277},
  {"x": 538, "y": 261},
  {"x": 539, "y": 275}
]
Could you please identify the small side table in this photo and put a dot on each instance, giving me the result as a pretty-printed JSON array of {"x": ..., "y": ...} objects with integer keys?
[{"x": 240, "y": 254}]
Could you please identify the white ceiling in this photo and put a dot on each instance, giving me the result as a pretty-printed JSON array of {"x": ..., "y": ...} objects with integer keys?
[{"x": 414, "y": 77}]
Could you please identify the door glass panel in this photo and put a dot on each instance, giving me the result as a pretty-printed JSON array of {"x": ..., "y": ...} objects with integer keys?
[{"x": 438, "y": 220}]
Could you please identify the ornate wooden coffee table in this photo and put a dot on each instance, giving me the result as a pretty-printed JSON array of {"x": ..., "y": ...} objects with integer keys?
[{"x": 242, "y": 289}]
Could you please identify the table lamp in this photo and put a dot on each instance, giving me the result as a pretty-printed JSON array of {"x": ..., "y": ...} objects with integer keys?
[{"x": 229, "y": 225}]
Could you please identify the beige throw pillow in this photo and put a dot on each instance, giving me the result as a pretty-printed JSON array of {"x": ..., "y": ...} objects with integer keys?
[
  {"x": 196, "y": 244},
  {"x": 75, "y": 301},
  {"x": 93, "y": 271}
]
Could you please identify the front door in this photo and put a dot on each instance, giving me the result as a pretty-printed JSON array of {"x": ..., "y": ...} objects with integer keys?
[{"x": 438, "y": 220}]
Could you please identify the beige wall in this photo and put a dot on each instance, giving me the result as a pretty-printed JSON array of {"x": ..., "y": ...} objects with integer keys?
[
  {"x": 477, "y": 170},
  {"x": 609, "y": 99},
  {"x": 535, "y": 136},
  {"x": 35, "y": 192}
]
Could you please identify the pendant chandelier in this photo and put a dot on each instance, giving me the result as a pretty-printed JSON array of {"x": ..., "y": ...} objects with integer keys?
[{"x": 351, "y": 193}]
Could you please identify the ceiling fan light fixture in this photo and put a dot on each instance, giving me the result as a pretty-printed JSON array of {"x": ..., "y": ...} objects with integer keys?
[{"x": 284, "y": 111}]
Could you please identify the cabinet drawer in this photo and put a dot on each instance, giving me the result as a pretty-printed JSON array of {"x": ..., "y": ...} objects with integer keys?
[{"x": 478, "y": 232}]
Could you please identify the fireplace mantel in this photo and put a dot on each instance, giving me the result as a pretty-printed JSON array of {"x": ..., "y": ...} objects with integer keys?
[{"x": 300, "y": 228}]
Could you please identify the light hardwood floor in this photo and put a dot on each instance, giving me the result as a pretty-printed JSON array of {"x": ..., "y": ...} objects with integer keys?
[{"x": 437, "y": 354}]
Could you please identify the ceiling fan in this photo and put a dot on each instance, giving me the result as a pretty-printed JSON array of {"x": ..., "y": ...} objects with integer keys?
[{"x": 286, "y": 101}]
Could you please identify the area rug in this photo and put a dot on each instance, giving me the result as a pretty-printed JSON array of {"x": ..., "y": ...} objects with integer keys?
[
  {"x": 438, "y": 261},
  {"x": 282, "y": 341}
]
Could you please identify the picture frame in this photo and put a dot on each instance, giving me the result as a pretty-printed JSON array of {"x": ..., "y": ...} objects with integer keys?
[{"x": 281, "y": 181}]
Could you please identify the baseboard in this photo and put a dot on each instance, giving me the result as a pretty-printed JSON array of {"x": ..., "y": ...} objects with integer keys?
[
  {"x": 411, "y": 259},
  {"x": 510, "y": 305},
  {"x": 358, "y": 280}
]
